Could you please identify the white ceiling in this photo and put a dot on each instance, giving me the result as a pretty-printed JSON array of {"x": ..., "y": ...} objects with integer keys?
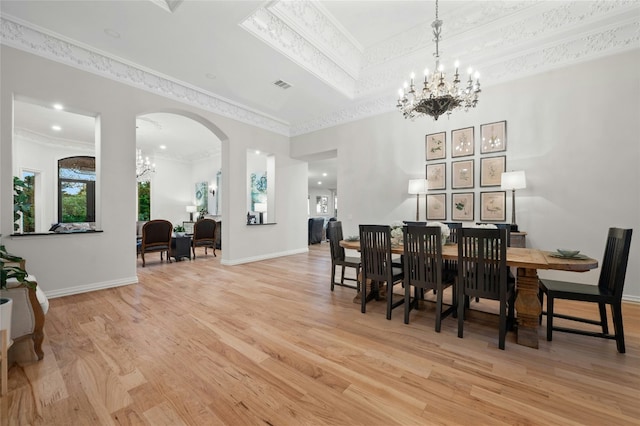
[{"x": 344, "y": 59}]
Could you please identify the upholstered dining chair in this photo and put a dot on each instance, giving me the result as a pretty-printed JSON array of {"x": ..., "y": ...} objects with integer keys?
[
  {"x": 607, "y": 292},
  {"x": 204, "y": 235},
  {"x": 377, "y": 264},
  {"x": 482, "y": 272},
  {"x": 156, "y": 236},
  {"x": 338, "y": 257},
  {"x": 423, "y": 269}
]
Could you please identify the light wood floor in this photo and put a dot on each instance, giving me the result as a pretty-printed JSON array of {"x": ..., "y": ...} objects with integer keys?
[{"x": 197, "y": 343}]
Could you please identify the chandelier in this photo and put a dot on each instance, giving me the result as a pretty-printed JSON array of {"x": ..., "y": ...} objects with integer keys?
[
  {"x": 144, "y": 167},
  {"x": 438, "y": 95}
]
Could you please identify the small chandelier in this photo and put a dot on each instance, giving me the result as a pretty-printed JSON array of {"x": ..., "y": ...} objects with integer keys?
[
  {"x": 144, "y": 167},
  {"x": 438, "y": 95}
]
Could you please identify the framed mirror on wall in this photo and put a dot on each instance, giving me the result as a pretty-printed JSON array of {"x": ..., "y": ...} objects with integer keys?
[
  {"x": 54, "y": 167},
  {"x": 260, "y": 188}
]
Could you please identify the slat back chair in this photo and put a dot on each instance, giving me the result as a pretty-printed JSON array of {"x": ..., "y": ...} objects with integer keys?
[
  {"x": 423, "y": 269},
  {"x": 377, "y": 264},
  {"x": 156, "y": 236},
  {"x": 608, "y": 291},
  {"x": 204, "y": 235},
  {"x": 482, "y": 272},
  {"x": 338, "y": 257}
]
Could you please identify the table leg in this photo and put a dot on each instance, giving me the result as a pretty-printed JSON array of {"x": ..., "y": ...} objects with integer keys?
[{"x": 528, "y": 307}]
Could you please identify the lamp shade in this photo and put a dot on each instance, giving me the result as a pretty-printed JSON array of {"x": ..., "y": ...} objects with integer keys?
[
  {"x": 513, "y": 180},
  {"x": 192, "y": 209},
  {"x": 260, "y": 207},
  {"x": 417, "y": 186}
]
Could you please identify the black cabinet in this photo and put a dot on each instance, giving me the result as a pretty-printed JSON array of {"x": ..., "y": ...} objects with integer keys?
[{"x": 181, "y": 247}]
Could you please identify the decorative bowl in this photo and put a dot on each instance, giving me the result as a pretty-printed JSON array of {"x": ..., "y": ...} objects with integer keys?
[
  {"x": 353, "y": 238},
  {"x": 568, "y": 253}
]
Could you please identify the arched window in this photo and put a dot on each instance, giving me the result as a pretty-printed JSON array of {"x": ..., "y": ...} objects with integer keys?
[{"x": 77, "y": 189}]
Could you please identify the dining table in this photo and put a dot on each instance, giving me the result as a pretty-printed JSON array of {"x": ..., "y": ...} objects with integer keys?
[{"x": 527, "y": 261}]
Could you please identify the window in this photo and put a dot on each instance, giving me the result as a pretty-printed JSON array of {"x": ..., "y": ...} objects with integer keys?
[
  {"x": 77, "y": 189},
  {"x": 144, "y": 200},
  {"x": 29, "y": 216}
]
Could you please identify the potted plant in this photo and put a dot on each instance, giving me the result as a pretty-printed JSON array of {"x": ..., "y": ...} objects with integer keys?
[
  {"x": 179, "y": 230},
  {"x": 21, "y": 201},
  {"x": 11, "y": 266}
]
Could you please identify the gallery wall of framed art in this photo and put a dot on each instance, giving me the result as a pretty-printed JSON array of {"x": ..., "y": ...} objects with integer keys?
[{"x": 464, "y": 170}]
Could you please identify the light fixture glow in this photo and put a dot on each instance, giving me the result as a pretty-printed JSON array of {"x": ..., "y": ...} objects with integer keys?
[
  {"x": 56, "y": 128},
  {"x": 59, "y": 107}
]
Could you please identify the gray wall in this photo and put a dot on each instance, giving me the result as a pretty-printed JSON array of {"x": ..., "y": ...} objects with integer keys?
[
  {"x": 575, "y": 131},
  {"x": 66, "y": 264}
]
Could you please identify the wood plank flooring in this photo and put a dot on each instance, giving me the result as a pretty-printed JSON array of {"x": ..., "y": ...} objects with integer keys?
[{"x": 197, "y": 343}]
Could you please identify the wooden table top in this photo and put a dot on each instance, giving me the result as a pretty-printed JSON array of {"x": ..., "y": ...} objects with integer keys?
[{"x": 517, "y": 257}]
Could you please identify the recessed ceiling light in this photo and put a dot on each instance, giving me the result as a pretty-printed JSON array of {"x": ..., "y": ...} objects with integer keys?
[
  {"x": 111, "y": 33},
  {"x": 257, "y": 152},
  {"x": 319, "y": 183},
  {"x": 56, "y": 128},
  {"x": 163, "y": 147},
  {"x": 324, "y": 174},
  {"x": 58, "y": 107}
]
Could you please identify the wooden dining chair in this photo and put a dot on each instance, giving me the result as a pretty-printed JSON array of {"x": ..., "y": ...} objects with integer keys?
[
  {"x": 423, "y": 270},
  {"x": 338, "y": 257},
  {"x": 156, "y": 236},
  {"x": 482, "y": 272},
  {"x": 204, "y": 235},
  {"x": 377, "y": 264},
  {"x": 607, "y": 292}
]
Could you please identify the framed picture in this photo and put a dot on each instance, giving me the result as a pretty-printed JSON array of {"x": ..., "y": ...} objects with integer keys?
[
  {"x": 462, "y": 206},
  {"x": 436, "y": 206},
  {"x": 462, "y": 174},
  {"x": 436, "y": 146},
  {"x": 436, "y": 176},
  {"x": 491, "y": 169},
  {"x": 462, "y": 142},
  {"x": 493, "y": 137},
  {"x": 493, "y": 206},
  {"x": 188, "y": 227}
]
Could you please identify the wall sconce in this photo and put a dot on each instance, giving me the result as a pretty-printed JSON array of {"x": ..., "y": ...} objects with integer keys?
[
  {"x": 191, "y": 210},
  {"x": 417, "y": 187},
  {"x": 513, "y": 181},
  {"x": 212, "y": 189}
]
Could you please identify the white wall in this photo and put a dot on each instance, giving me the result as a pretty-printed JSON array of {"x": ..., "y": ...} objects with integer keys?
[
  {"x": 575, "y": 131},
  {"x": 66, "y": 264}
]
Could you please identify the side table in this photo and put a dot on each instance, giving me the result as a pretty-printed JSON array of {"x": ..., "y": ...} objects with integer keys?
[{"x": 181, "y": 247}]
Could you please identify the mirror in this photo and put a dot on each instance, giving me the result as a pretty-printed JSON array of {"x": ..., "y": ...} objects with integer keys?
[
  {"x": 260, "y": 188},
  {"x": 54, "y": 162}
]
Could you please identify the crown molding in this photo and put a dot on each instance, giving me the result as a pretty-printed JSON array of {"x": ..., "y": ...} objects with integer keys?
[
  {"x": 54, "y": 47},
  {"x": 53, "y": 142},
  {"x": 275, "y": 32}
]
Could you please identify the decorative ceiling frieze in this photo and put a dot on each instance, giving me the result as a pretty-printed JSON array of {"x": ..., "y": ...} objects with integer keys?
[{"x": 52, "y": 47}]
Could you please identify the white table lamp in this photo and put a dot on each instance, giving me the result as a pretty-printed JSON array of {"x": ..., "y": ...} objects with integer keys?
[
  {"x": 260, "y": 208},
  {"x": 417, "y": 187},
  {"x": 513, "y": 181},
  {"x": 191, "y": 210}
]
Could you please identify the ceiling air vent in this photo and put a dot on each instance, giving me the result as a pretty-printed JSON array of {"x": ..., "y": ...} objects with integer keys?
[{"x": 282, "y": 84}]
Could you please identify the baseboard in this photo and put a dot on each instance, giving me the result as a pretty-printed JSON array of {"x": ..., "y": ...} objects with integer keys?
[
  {"x": 263, "y": 257},
  {"x": 91, "y": 287},
  {"x": 628, "y": 298}
]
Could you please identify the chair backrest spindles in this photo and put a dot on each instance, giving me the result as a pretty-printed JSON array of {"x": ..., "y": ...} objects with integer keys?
[
  {"x": 482, "y": 257},
  {"x": 614, "y": 262},
  {"x": 334, "y": 232},
  {"x": 375, "y": 249},
  {"x": 422, "y": 256}
]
